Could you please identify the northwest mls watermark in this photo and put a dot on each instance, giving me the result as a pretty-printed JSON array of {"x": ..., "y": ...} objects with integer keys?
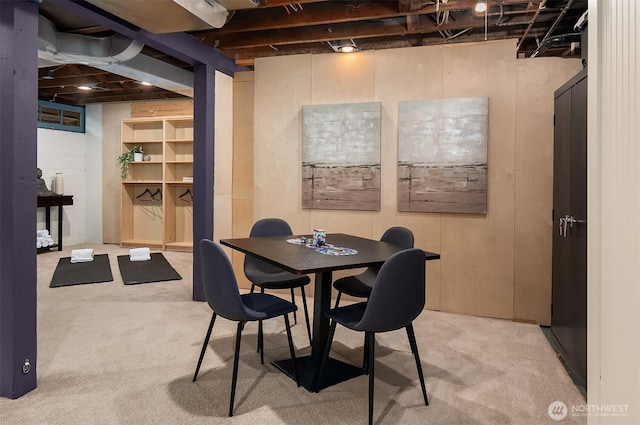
[{"x": 558, "y": 410}]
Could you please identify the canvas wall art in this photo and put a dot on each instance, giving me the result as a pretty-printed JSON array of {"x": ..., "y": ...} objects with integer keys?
[
  {"x": 341, "y": 156},
  {"x": 442, "y": 155}
]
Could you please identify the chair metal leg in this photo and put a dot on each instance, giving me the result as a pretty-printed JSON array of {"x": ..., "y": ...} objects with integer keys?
[
  {"x": 236, "y": 356},
  {"x": 204, "y": 346},
  {"x": 325, "y": 357},
  {"x": 261, "y": 341},
  {"x": 365, "y": 354},
  {"x": 414, "y": 348},
  {"x": 293, "y": 301},
  {"x": 337, "y": 299},
  {"x": 253, "y": 286},
  {"x": 291, "y": 349},
  {"x": 306, "y": 312},
  {"x": 372, "y": 344},
  {"x": 259, "y": 324}
]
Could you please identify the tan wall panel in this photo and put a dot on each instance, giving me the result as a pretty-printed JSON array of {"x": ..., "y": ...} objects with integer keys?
[
  {"x": 537, "y": 79},
  {"x": 420, "y": 72},
  {"x": 282, "y": 86},
  {"x": 359, "y": 223},
  {"x": 242, "y": 222},
  {"x": 243, "y": 87},
  {"x": 477, "y": 250},
  {"x": 222, "y": 206},
  {"x": 223, "y": 137},
  {"x": 342, "y": 78},
  {"x": 243, "y": 118},
  {"x": 112, "y": 114},
  {"x": 222, "y": 198},
  {"x": 476, "y": 273}
]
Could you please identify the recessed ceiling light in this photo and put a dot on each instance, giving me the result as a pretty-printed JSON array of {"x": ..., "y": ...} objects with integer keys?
[
  {"x": 344, "y": 46},
  {"x": 144, "y": 83},
  {"x": 84, "y": 88},
  {"x": 481, "y": 6}
]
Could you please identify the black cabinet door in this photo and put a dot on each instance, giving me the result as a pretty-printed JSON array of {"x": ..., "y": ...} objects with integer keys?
[{"x": 569, "y": 271}]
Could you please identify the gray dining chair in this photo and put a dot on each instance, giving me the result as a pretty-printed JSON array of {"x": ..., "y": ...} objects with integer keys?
[
  {"x": 222, "y": 295},
  {"x": 270, "y": 277},
  {"x": 359, "y": 286},
  {"x": 397, "y": 298}
]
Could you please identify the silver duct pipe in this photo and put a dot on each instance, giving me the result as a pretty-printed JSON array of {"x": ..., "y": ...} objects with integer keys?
[{"x": 116, "y": 54}]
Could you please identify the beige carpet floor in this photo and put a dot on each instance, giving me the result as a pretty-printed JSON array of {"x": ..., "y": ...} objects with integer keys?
[{"x": 115, "y": 354}]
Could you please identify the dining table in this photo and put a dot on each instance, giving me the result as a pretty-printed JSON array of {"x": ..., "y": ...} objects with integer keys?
[{"x": 296, "y": 255}]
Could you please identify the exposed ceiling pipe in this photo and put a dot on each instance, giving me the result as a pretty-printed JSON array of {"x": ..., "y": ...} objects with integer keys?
[
  {"x": 553, "y": 27},
  {"x": 116, "y": 54},
  {"x": 541, "y": 6}
]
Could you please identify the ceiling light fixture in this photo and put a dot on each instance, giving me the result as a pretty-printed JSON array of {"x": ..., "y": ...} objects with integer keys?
[
  {"x": 85, "y": 88},
  {"x": 481, "y": 6},
  {"x": 344, "y": 46},
  {"x": 49, "y": 75},
  {"x": 144, "y": 83}
]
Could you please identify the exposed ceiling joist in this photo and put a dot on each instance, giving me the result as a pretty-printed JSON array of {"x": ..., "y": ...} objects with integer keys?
[{"x": 285, "y": 27}]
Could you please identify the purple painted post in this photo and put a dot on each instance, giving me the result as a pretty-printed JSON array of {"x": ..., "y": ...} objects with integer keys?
[
  {"x": 18, "y": 195},
  {"x": 204, "y": 84}
]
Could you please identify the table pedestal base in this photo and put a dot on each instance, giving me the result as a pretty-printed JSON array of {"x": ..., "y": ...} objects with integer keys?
[{"x": 335, "y": 371}]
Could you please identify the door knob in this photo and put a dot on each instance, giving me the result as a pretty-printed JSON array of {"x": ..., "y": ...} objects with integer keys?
[
  {"x": 562, "y": 228},
  {"x": 568, "y": 221}
]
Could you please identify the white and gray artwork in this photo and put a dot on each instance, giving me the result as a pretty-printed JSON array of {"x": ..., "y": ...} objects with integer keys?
[
  {"x": 341, "y": 156},
  {"x": 442, "y": 155}
]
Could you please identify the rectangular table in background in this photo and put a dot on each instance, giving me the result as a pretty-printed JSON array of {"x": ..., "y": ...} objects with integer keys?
[
  {"x": 54, "y": 201},
  {"x": 300, "y": 259}
]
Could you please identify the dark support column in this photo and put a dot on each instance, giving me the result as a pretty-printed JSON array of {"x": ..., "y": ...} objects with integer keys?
[
  {"x": 203, "y": 165},
  {"x": 18, "y": 91}
]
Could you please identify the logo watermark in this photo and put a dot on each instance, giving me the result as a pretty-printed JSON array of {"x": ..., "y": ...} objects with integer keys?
[{"x": 558, "y": 410}]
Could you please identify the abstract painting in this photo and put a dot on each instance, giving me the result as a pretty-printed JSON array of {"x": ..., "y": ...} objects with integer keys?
[
  {"x": 341, "y": 156},
  {"x": 442, "y": 155}
]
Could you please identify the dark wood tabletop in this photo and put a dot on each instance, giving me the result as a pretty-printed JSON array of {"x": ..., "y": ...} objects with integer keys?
[{"x": 300, "y": 259}]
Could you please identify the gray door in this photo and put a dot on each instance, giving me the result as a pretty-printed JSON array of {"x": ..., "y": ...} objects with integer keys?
[{"x": 569, "y": 293}]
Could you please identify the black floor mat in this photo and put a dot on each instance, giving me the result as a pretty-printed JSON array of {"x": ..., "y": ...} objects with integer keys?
[
  {"x": 95, "y": 271},
  {"x": 157, "y": 269}
]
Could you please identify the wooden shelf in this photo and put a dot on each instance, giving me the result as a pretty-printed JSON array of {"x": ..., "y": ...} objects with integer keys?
[
  {"x": 151, "y": 243},
  {"x": 141, "y": 142},
  {"x": 163, "y": 221},
  {"x": 179, "y": 246},
  {"x": 143, "y": 182}
]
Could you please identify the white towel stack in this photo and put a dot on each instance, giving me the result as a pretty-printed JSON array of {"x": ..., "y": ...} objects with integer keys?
[
  {"x": 139, "y": 254},
  {"x": 81, "y": 255},
  {"x": 43, "y": 239}
]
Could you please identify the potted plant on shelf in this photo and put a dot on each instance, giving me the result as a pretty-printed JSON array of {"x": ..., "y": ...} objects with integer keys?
[{"x": 126, "y": 158}]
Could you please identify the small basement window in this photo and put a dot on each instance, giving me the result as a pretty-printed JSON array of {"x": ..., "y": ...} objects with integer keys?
[{"x": 56, "y": 116}]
